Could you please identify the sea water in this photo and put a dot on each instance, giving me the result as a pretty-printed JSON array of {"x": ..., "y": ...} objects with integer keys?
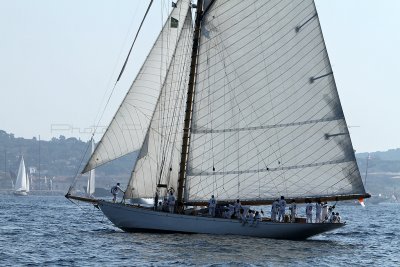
[{"x": 52, "y": 231}]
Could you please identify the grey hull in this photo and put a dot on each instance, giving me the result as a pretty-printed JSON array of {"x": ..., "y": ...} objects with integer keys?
[{"x": 135, "y": 219}]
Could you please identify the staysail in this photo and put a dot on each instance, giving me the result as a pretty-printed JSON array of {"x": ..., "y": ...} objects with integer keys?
[
  {"x": 158, "y": 160},
  {"x": 128, "y": 127},
  {"x": 267, "y": 119}
]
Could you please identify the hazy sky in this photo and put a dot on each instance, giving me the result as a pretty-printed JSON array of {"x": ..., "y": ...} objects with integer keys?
[{"x": 60, "y": 59}]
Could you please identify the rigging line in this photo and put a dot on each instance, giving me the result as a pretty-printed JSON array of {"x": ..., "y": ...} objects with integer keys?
[
  {"x": 123, "y": 68},
  {"x": 337, "y": 182},
  {"x": 294, "y": 64},
  {"x": 266, "y": 112},
  {"x": 79, "y": 166},
  {"x": 251, "y": 33},
  {"x": 255, "y": 156},
  {"x": 311, "y": 170},
  {"x": 168, "y": 104},
  {"x": 272, "y": 42},
  {"x": 130, "y": 50},
  {"x": 116, "y": 62}
]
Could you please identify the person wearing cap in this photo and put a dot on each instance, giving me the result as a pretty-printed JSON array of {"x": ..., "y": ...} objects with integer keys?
[
  {"x": 212, "y": 203},
  {"x": 114, "y": 191}
]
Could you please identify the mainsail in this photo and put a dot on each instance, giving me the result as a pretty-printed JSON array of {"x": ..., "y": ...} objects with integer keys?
[
  {"x": 267, "y": 120},
  {"x": 129, "y": 125},
  {"x": 158, "y": 160}
]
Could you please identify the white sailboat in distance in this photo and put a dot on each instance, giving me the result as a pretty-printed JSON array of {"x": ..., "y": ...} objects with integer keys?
[
  {"x": 242, "y": 104},
  {"x": 22, "y": 182},
  {"x": 90, "y": 189}
]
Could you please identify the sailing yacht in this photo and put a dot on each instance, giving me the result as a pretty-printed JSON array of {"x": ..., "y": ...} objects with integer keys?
[
  {"x": 242, "y": 104},
  {"x": 22, "y": 182}
]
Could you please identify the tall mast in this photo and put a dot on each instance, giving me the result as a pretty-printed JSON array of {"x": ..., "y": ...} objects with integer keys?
[{"x": 189, "y": 104}]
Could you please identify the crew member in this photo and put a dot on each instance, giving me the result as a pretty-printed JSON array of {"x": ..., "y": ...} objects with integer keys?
[
  {"x": 171, "y": 202},
  {"x": 282, "y": 207},
  {"x": 238, "y": 206},
  {"x": 325, "y": 212},
  {"x": 293, "y": 211},
  {"x": 309, "y": 212},
  {"x": 318, "y": 208},
  {"x": 114, "y": 191},
  {"x": 274, "y": 210},
  {"x": 212, "y": 203}
]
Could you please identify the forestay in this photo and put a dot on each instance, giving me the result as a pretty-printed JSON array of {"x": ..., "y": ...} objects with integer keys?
[
  {"x": 128, "y": 127},
  {"x": 267, "y": 119},
  {"x": 158, "y": 160}
]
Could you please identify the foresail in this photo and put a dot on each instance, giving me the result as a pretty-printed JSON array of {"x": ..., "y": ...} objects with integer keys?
[
  {"x": 159, "y": 157},
  {"x": 128, "y": 127},
  {"x": 267, "y": 119}
]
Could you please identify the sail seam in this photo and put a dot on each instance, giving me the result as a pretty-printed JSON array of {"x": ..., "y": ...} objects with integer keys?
[
  {"x": 191, "y": 173},
  {"x": 195, "y": 131}
]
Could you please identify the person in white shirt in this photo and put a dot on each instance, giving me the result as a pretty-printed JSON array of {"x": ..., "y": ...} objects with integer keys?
[
  {"x": 293, "y": 211},
  {"x": 171, "y": 202},
  {"x": 325, "y": 212},
  {"x": 237, "y": 206},
  {"x": 274, "y": 210},
  {"x": 282, "y": 208},
  {"x": 212, "y": 203},
  {"x": 243, "y": 217},
  {"x": 309, "y": 212},
  {"x": 338, "y": 218},
  {"x": 318, "y": 209},
  {"x": 231, "y": 211},
  {"x": 332, "y": 219},
  {"x": 250, "y": 216},
  {"x": 114, "y": 191},
  {"x": 257, "y": 218}
]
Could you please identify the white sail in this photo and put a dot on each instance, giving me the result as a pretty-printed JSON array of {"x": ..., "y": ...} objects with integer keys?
[
  {"x": 20, "y": 183},
  {"x": 90, "y": 189},
  {"x": 28, "y": 184},
  {"x": 128, "y": 128},
  {"x": 158, "y": 161},
  {"x": 267, "y": 119}
]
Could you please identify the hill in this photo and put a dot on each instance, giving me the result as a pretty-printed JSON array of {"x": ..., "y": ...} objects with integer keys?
[{"x": 59, "y": 159}]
